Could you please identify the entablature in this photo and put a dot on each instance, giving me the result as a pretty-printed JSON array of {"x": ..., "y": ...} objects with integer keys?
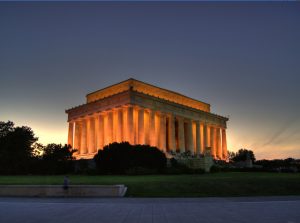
[{"x": 132, "y": 97}]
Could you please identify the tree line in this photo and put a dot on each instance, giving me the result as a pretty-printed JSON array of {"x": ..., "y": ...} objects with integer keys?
[{"x": 20, "y": 153}]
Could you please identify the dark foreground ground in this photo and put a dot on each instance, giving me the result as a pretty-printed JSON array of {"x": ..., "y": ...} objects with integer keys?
[
  {"x": 144, "y": 210},
  {"x": 229, "y": 184}
]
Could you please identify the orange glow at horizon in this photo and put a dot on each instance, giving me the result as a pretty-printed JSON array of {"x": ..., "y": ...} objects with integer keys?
[{"x": 54, "y": 133}]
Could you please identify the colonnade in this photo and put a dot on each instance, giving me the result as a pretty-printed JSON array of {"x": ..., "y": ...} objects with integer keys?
[{"x": 145, "y": 126}]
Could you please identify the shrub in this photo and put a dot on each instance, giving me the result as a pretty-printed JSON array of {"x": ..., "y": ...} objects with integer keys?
[
  {"x": 119, "y": 158},
  {"x": 56, "y": 159}
]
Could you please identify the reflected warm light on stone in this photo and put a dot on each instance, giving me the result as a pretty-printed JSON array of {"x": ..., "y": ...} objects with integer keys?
[{"x": 140, "y": 113}]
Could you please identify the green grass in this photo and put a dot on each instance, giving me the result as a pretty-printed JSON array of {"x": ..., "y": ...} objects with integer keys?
[{"x": 216, "y": 184}]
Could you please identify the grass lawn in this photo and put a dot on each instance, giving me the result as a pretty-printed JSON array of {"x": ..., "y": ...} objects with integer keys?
[{"x": 215, "y": 184}]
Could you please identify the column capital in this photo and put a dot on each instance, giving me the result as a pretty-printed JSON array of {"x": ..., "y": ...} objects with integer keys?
[
  {"x": 148, "y": 109},
  {"x": 96, "y": 115},
  {"x": 161, "y": 113},
  {"x": 212, "y": 126},
  {"x": 179, "y": 118},
  {"x": 127, "y": 106},
  {"x": 106, "y": 112},
  {"x": 115, "y": 109},
  {"x": 140, "y": 108},
  {"x": 169, "y": 114},
  {"x": 197, "y": 121},
  {"x": 81, "y": 119},
  {"x": 91, "y": 116}
]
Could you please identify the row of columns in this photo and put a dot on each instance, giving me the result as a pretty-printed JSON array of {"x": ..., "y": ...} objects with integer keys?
[{"x": 144, "y": 126}]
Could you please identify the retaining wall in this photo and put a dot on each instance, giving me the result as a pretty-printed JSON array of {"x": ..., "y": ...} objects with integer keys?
[{"x": 59, "y": 191}]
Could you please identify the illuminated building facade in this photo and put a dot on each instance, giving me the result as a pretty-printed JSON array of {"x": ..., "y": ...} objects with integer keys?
[{"x": 141, "y": 113}]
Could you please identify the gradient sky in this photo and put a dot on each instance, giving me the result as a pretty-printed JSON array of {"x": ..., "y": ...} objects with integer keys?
[{"x": 242, "y": 58}]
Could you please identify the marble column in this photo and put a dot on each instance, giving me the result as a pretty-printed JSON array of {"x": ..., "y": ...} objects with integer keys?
[
  {"x": 218, "y": 143},
  {"x": 100, "y": 134},
  {"x": 97, "y": 133},
  {"x": 70, "y": 134},
  {"x": 110, "y": 127},
  {"x": 181, "y": 138},
  {"x": 83, "y": 141},
  {"x": 152, "y": 136},
  {"x": 194, "y": 137},
  {"x": 141, "y": 127},
  {"x": 91, "y": 135},
  {"x": 125, "y": 128},
  {"x": 108, "y": 122},
  {"x": 129, "y": 125},
  {"x": 206, "y": 135},
  {"x": 162, "y": 132},
  {"x": 202, "y": 137},
  {"x": 119, "y": 129},
  {"x": 146, "y": 127},
  {"x": 213, "y": 141},
  {"x": 135, "y": 125},
  {"x": 157, "y": 130},
  {"x": 77, "y": 136},
  {"x": 171, "y": 133},
  {"x": 190, "y": 143},
  {"x": 198, "y": 138},
  {"x": 114, "y": 125},
  {"x": 105, "y": 127},
  {"x": 224, "y": 144}
]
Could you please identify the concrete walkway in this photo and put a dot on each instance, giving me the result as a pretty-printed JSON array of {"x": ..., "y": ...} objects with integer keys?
[{"x": 144, "y": 210}]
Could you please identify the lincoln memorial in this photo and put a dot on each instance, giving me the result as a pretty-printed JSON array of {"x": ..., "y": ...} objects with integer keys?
[{"x": 141, "y": 113}]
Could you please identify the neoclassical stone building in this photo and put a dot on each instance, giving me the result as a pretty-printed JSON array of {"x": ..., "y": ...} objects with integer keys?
[{"x": 141, "y": 113}]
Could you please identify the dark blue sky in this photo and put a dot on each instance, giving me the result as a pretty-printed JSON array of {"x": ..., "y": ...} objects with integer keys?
[{"x": 242, "y": 58}]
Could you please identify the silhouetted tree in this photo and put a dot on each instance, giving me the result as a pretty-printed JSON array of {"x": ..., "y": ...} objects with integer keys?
[
  {"x": 243, "y": 155},
  {"x": 15, "y": 148},
  {"x": 118, "y": 158},
  {"x": 279, "y": 163},
  {"x": 57, "y": 159},
  {"x": 5, "y": 128},
  {"x": 57, "y": 152},
  {"x": 230, "y": 155}
]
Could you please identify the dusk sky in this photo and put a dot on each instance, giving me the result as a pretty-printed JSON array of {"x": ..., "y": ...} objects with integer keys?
[{"x": 242, "y": 58}]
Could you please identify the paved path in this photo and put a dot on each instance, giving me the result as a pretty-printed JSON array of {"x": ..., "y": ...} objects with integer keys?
[{"x": 144, "y": 210}]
